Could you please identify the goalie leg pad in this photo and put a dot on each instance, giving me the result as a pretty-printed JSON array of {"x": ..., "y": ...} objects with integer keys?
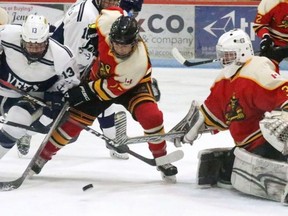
[
  {"x": 209, "y": 165},
  {"x": 259, "y": 176}
]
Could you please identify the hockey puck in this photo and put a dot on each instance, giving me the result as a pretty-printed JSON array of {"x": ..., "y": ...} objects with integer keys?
[{"x": 87, "y": 187}]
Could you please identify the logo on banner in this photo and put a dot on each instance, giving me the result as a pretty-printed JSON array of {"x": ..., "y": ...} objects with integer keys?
[{"x": 223, "y": 24}]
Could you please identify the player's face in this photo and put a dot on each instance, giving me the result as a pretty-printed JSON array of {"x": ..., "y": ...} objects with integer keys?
[
  {"x": 226, "y": 57},
  {"x": 35, "y": 49},
  {"x": 122, "y": 50},
  {"x": 109, "y": 3}
]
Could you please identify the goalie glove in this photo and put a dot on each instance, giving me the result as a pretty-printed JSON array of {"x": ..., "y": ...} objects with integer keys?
[
  {"x": 274, "y": 127},
  {"x": 195, "y": 125}
]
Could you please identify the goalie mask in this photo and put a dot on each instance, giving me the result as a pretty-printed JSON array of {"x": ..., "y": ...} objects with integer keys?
[
  {"x": 35, "y": 34},
  {"x": 102, "y": 4},
  {"x": 234, "y": 48},
  {"x": 124, "y": 35}
]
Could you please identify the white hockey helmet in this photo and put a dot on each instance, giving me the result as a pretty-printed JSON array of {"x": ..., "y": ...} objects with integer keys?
[
  {"x": 35, "y": 29},
  {"x": 35, "y": 34},
  {"x": 234, "y": 47},
  {"x": 4, "y": 17}
]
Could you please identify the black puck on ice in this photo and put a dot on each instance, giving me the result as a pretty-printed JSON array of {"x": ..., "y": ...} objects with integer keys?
[{"x": 86, "y": 187}]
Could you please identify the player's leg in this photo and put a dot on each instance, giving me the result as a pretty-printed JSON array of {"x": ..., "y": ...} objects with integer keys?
[{"x": 107, "y": 125}]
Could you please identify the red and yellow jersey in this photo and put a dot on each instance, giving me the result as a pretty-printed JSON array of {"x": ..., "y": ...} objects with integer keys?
[
  {"x": 239, "y": 103},
  {"x": 272, "y": 19},
  {"x": 114, "y": 76}
]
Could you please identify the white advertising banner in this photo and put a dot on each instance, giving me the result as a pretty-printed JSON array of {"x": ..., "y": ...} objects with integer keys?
[
  {"x": 18, "y": 12},
  {"x": 166, "y": 26}
]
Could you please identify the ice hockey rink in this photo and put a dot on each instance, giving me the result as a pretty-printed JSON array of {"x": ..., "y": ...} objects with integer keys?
[{"x": 130, "y": 187}]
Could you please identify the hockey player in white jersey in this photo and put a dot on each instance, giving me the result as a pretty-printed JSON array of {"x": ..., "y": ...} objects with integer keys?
[{"x": 33, "y": 63}]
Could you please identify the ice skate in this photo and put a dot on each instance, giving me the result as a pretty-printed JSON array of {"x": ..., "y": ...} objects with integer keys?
[
  {"x": 116, "y": 155},
  {"x": 168, "y": 172},
  {"x": 23, "y": 145}
]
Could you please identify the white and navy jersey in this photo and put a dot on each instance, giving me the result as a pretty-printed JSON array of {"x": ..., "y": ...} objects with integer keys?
[
  {"x": 73, "y": 31},
  {"x": 56, "y": 71}
]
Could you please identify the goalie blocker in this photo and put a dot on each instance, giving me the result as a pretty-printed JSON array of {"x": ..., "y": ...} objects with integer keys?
[{"x": 251, "y": 174}]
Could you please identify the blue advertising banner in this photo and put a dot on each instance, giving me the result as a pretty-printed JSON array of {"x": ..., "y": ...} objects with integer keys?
[{"x": 212, "y": 21}]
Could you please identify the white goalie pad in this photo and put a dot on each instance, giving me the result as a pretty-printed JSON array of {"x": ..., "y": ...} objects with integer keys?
[
  {"x": 274, "y": 128},
  {"x": 259, "y": 176}
]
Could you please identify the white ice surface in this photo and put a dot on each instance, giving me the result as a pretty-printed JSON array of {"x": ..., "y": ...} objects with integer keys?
[{"x": 129, "y": 188}]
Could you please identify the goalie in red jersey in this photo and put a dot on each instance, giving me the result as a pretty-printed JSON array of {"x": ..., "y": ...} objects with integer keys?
[
  {"x": 121, "y": 75},
  {"x": 248, "y": 98},
  {"x": 271, "y": 24}
]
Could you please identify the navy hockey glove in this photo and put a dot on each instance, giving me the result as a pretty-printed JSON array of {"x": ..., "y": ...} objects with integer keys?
[
  {"x": 131, "y": 6},
  {"x": 79, "y": 95},
  {"x": 56, "y": 101},
  {"x": 265, "y": 44}
]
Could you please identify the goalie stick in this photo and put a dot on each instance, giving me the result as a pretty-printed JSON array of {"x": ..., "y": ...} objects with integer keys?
[
  {"x": 179, "y": 57},
  {"x": 120, "y": 145},
  {"x": 14, "y": 184}
]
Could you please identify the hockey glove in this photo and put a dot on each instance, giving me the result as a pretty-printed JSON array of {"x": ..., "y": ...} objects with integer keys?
[
  {"x": 265, "y": 44},
  {"x": 274, "y": 128},
  {"x": 56, "y": 101},
  {"x": 131, "y": 6},
  {"x": 276, "y": 53},
  {"x": 92, "y": 35},
  {"x": 79, "y": 95}
]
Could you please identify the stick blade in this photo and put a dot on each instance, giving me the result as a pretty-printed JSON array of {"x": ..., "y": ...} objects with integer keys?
[
  {"x": 170, "y": 158},
  {"x": 120, "y": 127},
  {"x": 178, "y": 56}
]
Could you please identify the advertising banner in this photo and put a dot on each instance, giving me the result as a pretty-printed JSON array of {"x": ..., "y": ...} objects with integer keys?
[
  {"x": 18, "y": 12},
  {"x": 193, "y": 29},
  {"x": 213, "y": 21},
  {"x": 164, "y": 27}
]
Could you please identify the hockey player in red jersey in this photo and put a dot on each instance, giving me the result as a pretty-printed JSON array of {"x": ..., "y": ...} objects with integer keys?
[
  {"x": 122, "y": 76},
  {"x": 249, "y": 99},
  {"x": 271, "y": 24}
]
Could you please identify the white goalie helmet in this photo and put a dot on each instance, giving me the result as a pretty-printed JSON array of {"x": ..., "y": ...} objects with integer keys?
[
  {"x": 234, "y": 47},
  {"x": 35, "y": 34}
]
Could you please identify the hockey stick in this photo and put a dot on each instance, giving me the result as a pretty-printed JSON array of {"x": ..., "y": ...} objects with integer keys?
[
  {"x": 14, "y": 184},
  {"x": 122, "y": 146},
  {"x": 42, "y": 130},
  {"x": 23, "y": 93},
  {"x": 179, "y": 57},
  {"x": 124, "y": 140}
]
